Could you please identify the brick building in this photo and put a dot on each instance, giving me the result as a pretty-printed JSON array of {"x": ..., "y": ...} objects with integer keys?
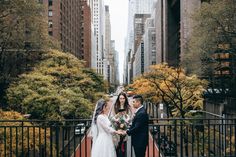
[
  {"x": 70, "y": 23},
  {"x": 86, "y": 32}
]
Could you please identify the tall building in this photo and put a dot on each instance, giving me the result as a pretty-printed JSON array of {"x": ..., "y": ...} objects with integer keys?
[
  {"x": 135, "y": 7},
  {"x": 109, "y": 54},
  {"x": 98, "y": 17},
  {"x": 107, "y": 31},
  {"x": 107, "y": 48},
  {"x": 138, "y": 61},
  {"x": 129, "y": 43},
  {"x": 139, "y": 23},
  {"x": 139, "y": 29},
  {"x": 85, "y": 27},
  {"x": 149, "y": 39},
  {"x": 115, "y": 72},
  {"x": 173, "y": 28},
  {"x": 187, "y": 8},
  {"x": 66, "y": 21},
  {"x": 143, "y": 6}
]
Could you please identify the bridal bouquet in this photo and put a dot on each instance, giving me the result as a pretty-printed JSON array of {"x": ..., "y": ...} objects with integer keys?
[{"x": 120, "y": 121}]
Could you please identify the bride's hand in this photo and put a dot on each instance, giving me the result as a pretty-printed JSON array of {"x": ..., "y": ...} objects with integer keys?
[{"x": 119, "y": 132}]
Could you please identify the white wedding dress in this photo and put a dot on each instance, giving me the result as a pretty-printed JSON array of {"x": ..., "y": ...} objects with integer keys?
[{"x": 104, "y": 146}]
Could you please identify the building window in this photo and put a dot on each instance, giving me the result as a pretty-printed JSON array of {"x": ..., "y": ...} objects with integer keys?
[
  {"x": 50, "y": 23},
  {"x": 50, "y": 3},
  {"x": 50, "y": 33},
  {"x": 50, "y": 13}
]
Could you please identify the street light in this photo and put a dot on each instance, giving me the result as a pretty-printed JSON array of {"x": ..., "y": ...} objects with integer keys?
[
  {"x": 217, "y": 115},
  {"x": 26, "y": 115}
]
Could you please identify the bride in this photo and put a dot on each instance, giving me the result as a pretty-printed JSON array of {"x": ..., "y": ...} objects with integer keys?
[{"x": 101, "y": 131}]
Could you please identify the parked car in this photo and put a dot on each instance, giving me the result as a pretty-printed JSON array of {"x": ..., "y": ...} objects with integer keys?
[
  {"x": 80, "y": 129},
  {"x": 111, "y": 95},
  {"x": 154, "y": 129},
  {"x": 130, "y": 93}
]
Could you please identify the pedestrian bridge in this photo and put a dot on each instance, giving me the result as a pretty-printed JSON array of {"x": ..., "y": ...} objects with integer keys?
[{"x": 167, "y": 137}]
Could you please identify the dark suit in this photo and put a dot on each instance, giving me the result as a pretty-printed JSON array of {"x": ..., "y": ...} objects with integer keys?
[{"x": 139, "y": 132}]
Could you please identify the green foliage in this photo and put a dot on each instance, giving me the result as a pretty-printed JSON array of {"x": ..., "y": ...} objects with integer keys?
[
  {"x": 58, "y": 87},
  {"x": 214, "y": 25},
  {"x": 23, "y": 24},
  {"x": 23, "y": 34},
  {"x": 214, "y": 31}
]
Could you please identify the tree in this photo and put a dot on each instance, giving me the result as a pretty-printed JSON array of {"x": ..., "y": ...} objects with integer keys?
[
  {"x": 173, "y": 87},
  {"x": 57, "y": 88},
  {"x": 14, "y": 132},
  {"x": 98, "y": 85},
  {"x": 23, "y": 34},
  {"x": 211, "y": 49},
  {"x": 23, "y": 25}
]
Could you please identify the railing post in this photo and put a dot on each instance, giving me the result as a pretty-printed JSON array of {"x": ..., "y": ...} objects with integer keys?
[
  {"x": 22, "y": 140},
  {"x": 57, "y": 141},
  {"x": 181, "y": 138},
  {"x": 175, "y": 133},
  {"x": 159, "y": 140}
]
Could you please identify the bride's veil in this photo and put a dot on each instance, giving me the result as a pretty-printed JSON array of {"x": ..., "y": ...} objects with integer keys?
[
  {"x": 94, "y": 130},
  {"x": 111, "y": 110}
]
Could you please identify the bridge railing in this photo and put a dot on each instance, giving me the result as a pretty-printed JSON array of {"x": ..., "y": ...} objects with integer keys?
[
  {"x": 168, "y": 137},
  {"x": 195, "y": 137},
  {"x": 35, "y": 138}
]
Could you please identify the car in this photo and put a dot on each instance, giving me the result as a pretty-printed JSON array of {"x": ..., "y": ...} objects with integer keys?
[
  {"x": 80, "y": 129},
  {"x": 130, "y": 93},
  {"x": 154, "y": 129}
]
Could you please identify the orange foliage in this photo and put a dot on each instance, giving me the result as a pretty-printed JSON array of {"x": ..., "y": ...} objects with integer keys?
[
  {"x": 15, "y": 133},
  {"x": 171, "y": 86}
]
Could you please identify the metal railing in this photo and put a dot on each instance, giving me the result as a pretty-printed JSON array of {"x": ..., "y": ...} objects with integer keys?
[
  {"x": 195, "y": 137},
  {"x": 34, "y": 138},
  {"x": 168, "y": 137}
]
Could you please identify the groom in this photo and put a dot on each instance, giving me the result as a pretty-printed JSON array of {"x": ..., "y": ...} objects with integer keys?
[{"x": 139, "y": 128}]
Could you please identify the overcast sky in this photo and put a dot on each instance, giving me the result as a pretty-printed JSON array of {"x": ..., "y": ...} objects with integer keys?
[{"x": 119, "y": 18}]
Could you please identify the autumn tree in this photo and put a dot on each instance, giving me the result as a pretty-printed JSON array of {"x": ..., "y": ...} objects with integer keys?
[
  {"x": 173, "y": 87},
  {"x": 23, "y": 34},
  {"x": 59, "y": 87},
  {"x": 18, "y": 138},
  {"x": 211, "y": 49}
]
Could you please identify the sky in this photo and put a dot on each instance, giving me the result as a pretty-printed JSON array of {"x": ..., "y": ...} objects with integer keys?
[{"x": 119, "y": 19}]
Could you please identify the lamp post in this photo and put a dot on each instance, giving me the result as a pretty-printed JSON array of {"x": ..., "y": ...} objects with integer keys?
[{"x": 213, "y": 114}]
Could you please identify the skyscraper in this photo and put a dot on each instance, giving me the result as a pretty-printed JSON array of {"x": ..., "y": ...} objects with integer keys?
[
  {"x": 135, "y": 7},
  {"x": 98, "y": 18}
]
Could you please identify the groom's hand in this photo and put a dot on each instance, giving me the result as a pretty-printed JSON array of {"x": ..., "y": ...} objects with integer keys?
[
  {"x": 119, "y": 132},
  {"x": 124, "y": 132}
]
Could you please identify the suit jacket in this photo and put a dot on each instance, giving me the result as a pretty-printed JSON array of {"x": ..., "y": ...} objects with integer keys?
[{"x": 139, "y": 129}]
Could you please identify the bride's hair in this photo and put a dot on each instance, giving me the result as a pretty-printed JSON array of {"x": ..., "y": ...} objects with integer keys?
[{"x": 100, "y": 105}]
